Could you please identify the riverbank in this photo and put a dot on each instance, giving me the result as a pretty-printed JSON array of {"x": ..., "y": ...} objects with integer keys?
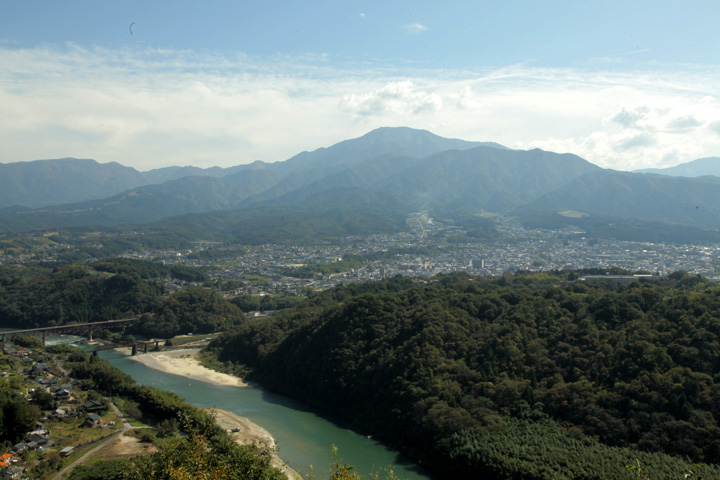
[
  {"x": 184, "y": 363},
  {"x": 304, "y": 437},
  {"x": 242, "y": 430}
]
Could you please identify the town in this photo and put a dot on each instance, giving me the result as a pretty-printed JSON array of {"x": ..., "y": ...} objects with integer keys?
[{"x": 424, "y": 250}]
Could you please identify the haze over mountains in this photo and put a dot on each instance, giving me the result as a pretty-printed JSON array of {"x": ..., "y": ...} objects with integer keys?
[
  {"x": 66, "y": 180},
  {"x": 696, "y": 168},
  {"x": 386, "y": 173}
]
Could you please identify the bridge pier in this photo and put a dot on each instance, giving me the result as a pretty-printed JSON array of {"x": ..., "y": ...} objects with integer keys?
[
  {"x": 146, "y": 345},
  {"x": 134, "y": 350},
  {"x": 44, "y": 335}
]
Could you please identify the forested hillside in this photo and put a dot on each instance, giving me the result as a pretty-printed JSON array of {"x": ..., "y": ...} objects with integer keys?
[
  {"x": 112, "y": 289},
  {"x": 528, "y": 376}
]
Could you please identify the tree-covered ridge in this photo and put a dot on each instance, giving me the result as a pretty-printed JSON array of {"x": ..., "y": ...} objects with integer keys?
[
  {"x": 70, "y": 294},
  {"x": 193, "y": 310},
  {"x": 428, "y": 366},
  {"x": 32, "y": 298},
  {"x": 150, "y": 270}
]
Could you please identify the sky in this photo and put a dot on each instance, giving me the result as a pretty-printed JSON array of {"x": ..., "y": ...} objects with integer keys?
[{"x": 624, "y": 84}]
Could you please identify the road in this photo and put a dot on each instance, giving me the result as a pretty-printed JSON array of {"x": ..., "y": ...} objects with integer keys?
[{"x": 87, "y": 455}]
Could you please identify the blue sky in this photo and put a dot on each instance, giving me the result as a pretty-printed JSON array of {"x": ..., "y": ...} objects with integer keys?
[{"x": 623, "y": 84}]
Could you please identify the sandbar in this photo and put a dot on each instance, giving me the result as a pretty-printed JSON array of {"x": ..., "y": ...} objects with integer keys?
[
  {"x": 184, "y": 363},
  {"x": 249, "y": 432}
]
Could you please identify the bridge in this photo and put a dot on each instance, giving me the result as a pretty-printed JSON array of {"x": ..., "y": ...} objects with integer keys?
[
  {"x": 74, "y": 328},
  {"x": 134, "y": 345}
]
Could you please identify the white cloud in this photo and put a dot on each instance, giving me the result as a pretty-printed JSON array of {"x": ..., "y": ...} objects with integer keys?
[
  {"x": 641, "y": 139},
  {"x": 715, "y": 127},
  {"x": 684, "y": 123},
  {"x": 414, "y": 28},
  {"x": 394, "y": 98},
  {"x": 154, "y": 108},
  {"x": 630, "y": 117}
]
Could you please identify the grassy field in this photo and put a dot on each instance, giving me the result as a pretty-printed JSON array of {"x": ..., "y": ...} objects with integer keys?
[{"x": 70, "y": 432}]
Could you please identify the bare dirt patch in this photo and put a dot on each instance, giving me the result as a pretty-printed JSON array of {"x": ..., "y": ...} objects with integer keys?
[{"x": 125, "y": 447}]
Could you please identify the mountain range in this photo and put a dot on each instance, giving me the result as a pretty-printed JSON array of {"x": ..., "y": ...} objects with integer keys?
[
  {"x": 67, "y": 180},
  {"x": 696, "y": 168},
  {"x": 385, "y": 174}
]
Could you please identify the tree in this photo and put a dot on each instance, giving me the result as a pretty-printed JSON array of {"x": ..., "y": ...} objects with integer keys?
[
  {"x": 44, "y": 400},
  {"x": 19, "y": 417},
  {"x": 199, "y": 456}
]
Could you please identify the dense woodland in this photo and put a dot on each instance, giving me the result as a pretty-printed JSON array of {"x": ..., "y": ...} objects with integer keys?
[
  {"x": 526, "y": 376},
  {"x": 523, "y": 376},
  {"x": 188, "y": 311},
  {"x": 37, "y": 297}
]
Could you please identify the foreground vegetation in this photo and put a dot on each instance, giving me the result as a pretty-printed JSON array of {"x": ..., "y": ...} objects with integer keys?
[
  {"x": 204, "y": 451},
  {"x": 188, "y": 443},
  {"x": 527, "y": 376}
]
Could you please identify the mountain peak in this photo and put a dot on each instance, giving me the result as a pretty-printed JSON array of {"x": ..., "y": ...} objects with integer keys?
[{"x": 383, "y": 141}]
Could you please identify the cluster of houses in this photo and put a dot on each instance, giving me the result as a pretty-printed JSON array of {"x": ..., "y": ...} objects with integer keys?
[
  {"x": 11, "y": 463},
  {"x": 48, "y": 379},
  {"x": 10, "y": 466}
]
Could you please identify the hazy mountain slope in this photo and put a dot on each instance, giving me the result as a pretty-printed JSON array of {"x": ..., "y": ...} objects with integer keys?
[
  {"x": 283, "y": 224},
  {"x": 148, "y": 203},
  {"x": 290, "y": 183},
  {"x": 166, "y": 174},
  {"x": 696, "y": 168},
  {"x": 480, "y": 177},
  {"x": 69, "y": 180},
  {"x": 341, "y": 181},
  {"x": 395, "y": 141},
  {"x": 639, "y": 196},
  {"x": 485, "y": 178},
  {"x": 629, "y": 229},
  {"x": 66, "y": 180},
  {"x": 390, "y": 170}
]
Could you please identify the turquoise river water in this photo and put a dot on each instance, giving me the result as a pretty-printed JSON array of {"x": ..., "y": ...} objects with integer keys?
[{"x": 304, "y": 437}]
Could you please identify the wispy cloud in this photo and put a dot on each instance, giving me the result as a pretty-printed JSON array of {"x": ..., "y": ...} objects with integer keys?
[
  {"x": 414, "y": 28},
  {"x": 394, "y": 98},
  {"x": 152, "y": 108},
  {"x": 631, "y": 52}
]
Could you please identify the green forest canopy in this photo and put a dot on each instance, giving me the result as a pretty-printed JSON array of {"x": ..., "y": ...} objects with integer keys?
[
  {"x": 36, "y": 297},
  {"x": 499, "y": 378}
]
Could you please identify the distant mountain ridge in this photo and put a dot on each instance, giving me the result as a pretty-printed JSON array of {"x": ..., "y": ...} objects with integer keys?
[
  {"x": 41, "y": 183},
  {"x": 689, "y": 201},
  {"x": 696, "y": 168},
  {"x": 381, "y": 142},
  {"x": 387, "y": 174},
  {"x": 66, "y": 180}
]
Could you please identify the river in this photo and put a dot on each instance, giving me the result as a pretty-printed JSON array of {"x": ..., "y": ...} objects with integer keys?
[{"x": 304, "y": 437}]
